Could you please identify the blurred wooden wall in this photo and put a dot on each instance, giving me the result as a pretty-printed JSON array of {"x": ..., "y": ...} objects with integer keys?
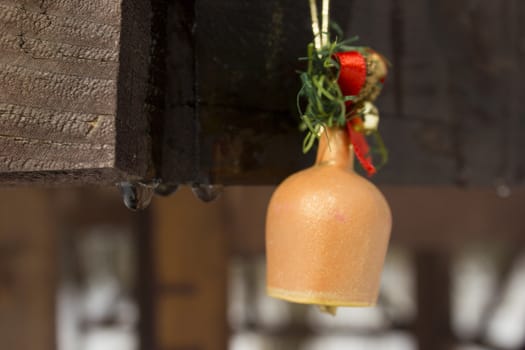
[
  {"x": 28, "y": 270},
  {"x": 190, "y": 267},
  {"x": 193, "y": 242},
  {"x": 184, "y": 248}
]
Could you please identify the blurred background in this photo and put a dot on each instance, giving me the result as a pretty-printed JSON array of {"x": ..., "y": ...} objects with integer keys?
[{"x": 80, "y": 271}]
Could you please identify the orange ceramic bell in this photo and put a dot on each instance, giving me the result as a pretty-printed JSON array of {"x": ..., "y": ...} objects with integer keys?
[{"x": 327, "y": 231}]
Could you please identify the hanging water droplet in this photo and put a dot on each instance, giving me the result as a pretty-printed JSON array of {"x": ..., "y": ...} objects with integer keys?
[
  {"x": 165, "y": 189},
  {"x": 207, "y": 193},
  {"x": 136, "y": 196}
]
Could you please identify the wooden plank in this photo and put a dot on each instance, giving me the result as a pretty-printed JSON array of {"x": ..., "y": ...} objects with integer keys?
[
  {"x": 190, "y": 264},
  {"x": 450, "y": 107},
  {"x": 98, "y": 92},
  {"x": 179, "y": 123},
  {"x": 73, "y": 86},
  {"x": 230, "y": 134},
  {"x": 483, "y": 64},
  {"x": 28, "y": 274}
]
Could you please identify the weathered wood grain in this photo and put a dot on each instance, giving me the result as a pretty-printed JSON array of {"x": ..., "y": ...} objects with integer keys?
[{"x": 73, "y": 87}]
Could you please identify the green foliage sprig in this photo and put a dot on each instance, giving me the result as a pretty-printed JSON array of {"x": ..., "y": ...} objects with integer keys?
[{"x": 325, "y": 102}]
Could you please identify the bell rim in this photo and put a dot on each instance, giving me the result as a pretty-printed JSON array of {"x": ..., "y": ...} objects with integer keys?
[{"x": 313, "y": 298}]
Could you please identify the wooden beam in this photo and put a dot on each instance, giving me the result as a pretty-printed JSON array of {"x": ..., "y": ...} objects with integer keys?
[
  {"x": 450, "y": 108},
  {"x": 205, "y": 91},
  {"x": 28, "y": 270},
  {"x": 190, "y": 273},
  {"x": 73, "y": 89}
]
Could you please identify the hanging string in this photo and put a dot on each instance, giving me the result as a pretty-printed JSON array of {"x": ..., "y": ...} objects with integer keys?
[
  {"x": 325, "y": 13},
  {"x": 321, "y": 36},
  {"x": 340, "y": 99},
  {"x": 315, "y": 25}
]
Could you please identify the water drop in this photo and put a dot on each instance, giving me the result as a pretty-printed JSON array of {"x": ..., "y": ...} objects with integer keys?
[
  {"x": 166, "y": 189},
  {"x": 136, "y": 195},
  {"x": 207, "y": 193}
]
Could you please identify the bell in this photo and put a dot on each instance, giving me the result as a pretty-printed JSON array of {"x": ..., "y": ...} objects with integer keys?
[{"x": 327, "y": 232}]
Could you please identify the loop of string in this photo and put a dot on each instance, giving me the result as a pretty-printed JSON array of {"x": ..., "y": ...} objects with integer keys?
[{"x": 321, "y": 36}]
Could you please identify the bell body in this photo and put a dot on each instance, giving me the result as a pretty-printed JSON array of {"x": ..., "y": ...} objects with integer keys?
[{"x": 327, "y": 231}]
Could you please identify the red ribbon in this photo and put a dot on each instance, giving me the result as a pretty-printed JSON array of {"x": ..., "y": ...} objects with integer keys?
[
  {"x": 352, "y": 79},
  {"x": 361, "y": 148}
]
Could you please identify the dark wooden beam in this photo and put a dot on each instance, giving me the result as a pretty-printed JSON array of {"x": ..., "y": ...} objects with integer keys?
[
  {"x": 73, "y": 90},
  {"x": 204, "y": 91},
  {"x": 450, "y": 107}
]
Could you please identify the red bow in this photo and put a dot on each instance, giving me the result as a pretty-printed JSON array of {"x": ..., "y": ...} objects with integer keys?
[
  {"x": 352, "y": 79},
  {"x": 352, "y": 74}
]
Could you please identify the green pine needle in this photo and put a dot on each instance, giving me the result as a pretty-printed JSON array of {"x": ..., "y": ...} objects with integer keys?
[{"x": 325, "y": 102}]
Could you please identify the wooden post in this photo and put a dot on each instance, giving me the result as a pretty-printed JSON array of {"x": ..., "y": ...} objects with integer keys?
[
  {"x": 84, "y": 210},
  {"x": 28, "y": 274},
  {"x": 190, "y": 266},
  {"x": 433, "y": 328}
]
